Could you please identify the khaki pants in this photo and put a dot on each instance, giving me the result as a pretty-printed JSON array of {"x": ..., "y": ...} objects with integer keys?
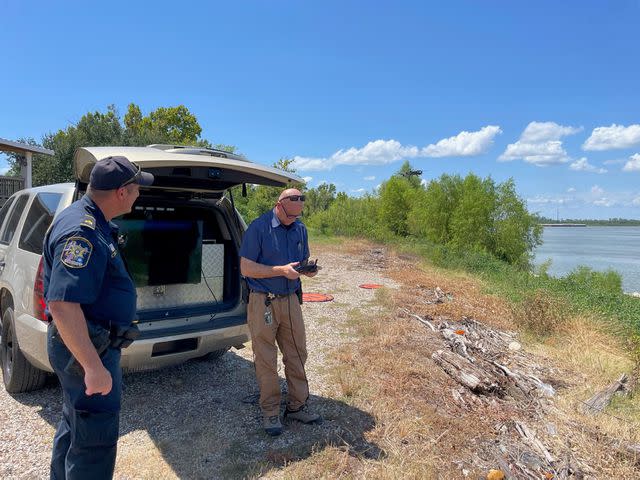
[{"x": 287, "y": 329}]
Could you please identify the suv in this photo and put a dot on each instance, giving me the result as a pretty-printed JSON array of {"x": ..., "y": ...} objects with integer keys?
[{"x": 181, "y": 243}]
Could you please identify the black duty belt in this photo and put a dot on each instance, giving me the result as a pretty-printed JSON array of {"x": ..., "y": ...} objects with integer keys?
[{"x": 274, "y": 295}]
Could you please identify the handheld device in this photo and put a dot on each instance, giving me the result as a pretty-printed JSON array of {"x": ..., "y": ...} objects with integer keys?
[{"x": 307, "y": 266}]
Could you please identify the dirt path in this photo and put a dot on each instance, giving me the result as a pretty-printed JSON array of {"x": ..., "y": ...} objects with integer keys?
[{"x": 196, "y": 420}]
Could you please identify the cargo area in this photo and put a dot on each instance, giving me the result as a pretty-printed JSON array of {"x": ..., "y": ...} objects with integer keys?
[{"x": 182, "y": 257}]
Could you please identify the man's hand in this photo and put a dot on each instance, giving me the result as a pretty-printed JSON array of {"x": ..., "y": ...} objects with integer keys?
[
  {"x": 312, "y": 274},
  {"x": 98, "y": 380},
  {"x": 290, "y": 272}
]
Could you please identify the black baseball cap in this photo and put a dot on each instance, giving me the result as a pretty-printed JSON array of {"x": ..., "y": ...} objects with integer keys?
[{"x": 114, "y": 172}]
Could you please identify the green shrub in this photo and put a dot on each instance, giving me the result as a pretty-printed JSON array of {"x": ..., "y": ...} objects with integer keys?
[{"x": 540, "y": 313}]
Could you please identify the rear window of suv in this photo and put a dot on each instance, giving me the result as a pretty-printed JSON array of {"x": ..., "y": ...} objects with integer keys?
[
  {"x": 39, "y": 218},
  {"x": 12, "y": 222},
  {"x": 5, "y": 209}
]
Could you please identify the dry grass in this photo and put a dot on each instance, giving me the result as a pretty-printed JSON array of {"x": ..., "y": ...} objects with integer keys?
[
  {"x": 539, "y": 314},
  {"x": 388, "y": 372}
]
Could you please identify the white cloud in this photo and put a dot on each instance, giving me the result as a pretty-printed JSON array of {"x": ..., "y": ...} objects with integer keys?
[
  {"x": 370, "y": 179},
  {"x": 379, "y": 152},
  {"x": 615, "y": 136},
  {"x": 4, "y": 170},
  {"x": 383, "y": 152},
  {"x": 583, "y": 165},
  {"x": 359, "y": 190},
  {"x": 546, "y": 200},
  {"x": 538, "y": 132},
  {"x": 633, "y": 165},
  {"x": 465, "y": 144},
  {"x": 604, "y": 202},
  {"x": 596, "y": 196},
  {"x": 424, "y": 183},
  {"x": 540, "y": 144},
  {"x": 614, "y": 162},
  {"x": 307, "y": 179},
  {"x": 539, "y": 154}
]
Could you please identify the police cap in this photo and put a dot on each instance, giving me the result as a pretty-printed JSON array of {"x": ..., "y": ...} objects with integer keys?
[{"x": 114, "y": 172}]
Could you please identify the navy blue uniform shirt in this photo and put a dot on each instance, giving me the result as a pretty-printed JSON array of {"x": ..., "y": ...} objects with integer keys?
[
  {"x": 82, "y": 264},
  {"x": 268, "y": 242}
]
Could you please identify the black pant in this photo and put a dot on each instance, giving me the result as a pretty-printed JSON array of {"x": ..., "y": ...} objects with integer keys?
[{"x": 84, "y": 446}]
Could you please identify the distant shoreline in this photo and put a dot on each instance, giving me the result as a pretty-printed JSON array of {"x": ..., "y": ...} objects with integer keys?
[{"x": 563, "y": 224}]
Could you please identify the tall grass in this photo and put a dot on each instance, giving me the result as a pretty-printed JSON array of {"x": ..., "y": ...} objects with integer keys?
[{"x": 583, "y": 291}]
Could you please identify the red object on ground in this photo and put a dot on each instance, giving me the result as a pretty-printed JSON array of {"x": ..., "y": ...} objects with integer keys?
[
  {"x": 370, "y": 286},
  {"x": 316, "y": 297}
]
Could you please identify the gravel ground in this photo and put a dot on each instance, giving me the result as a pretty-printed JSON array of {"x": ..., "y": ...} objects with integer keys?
[{"x": 196, "y": 420}]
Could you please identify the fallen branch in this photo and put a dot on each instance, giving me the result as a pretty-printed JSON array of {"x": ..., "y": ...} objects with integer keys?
[
  {"x": 465, "y": 372},
  {"x": 420, "y": 319},
  {"x": 457, "y": 342},
  {"x": 528, "y": 435},
  {"x": 600, "y": 400}
]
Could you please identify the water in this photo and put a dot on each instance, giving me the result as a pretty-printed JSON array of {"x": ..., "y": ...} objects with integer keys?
[{"x": 599, "y": 248}]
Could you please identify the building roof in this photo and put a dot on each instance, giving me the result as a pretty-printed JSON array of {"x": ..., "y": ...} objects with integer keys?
[{"x": 9, "y": 146}]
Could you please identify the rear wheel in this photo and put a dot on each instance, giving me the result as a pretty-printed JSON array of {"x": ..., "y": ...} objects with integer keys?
[
  {"x": 18, "y": 374},
  {"x": 215, "y": 354}
]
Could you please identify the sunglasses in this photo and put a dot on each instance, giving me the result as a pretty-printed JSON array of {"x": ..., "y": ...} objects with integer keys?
[
  {"x": 134, "y": 178},
  {"x": 296, "y": 198}
]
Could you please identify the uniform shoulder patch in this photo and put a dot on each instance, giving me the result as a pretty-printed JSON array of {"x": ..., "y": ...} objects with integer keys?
[
  {"x": 76, "y": 252},
  {"x": 89, "y": 221}
]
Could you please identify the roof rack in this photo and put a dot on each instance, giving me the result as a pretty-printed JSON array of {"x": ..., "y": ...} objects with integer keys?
[{"x": 194, "y": 150}]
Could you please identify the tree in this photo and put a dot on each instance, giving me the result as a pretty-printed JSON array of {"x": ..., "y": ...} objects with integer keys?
[
  {"x": 175, "y": 125},
  {"x": 396, "y": 197},
  {"x": 319, "y": 199},
  {"x": 411, "y": 174},
  {"x": 430, "y": 215},
  {"x": 471, "y": 223},
  {"x": 517, "y": 232},
  {"x": 260, "y": 198},
  {"x": 163, "y": 125}
]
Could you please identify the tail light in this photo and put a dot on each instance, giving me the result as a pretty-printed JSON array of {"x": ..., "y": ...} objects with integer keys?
[{"x": 39, "y": 305}]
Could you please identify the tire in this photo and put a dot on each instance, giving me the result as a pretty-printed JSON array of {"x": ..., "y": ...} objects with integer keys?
[
  {"x": 214, "y": 355},
  {"x": 18, "y": 374}
]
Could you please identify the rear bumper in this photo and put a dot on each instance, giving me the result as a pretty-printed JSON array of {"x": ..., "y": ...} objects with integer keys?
[{"x": 152, "y": 350}]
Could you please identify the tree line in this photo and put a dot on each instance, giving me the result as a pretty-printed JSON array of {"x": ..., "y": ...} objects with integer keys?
[
  {"x": 464, "y": 213},
  {"x": 170, "y": 125}
]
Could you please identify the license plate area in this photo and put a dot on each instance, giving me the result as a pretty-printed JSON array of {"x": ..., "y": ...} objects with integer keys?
[{"x": 174, "y": 346}]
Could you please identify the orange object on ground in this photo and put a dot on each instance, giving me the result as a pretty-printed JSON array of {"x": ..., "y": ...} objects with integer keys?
[
  {"x": 370, "y": 286},
  {"x": 316, "y": 297},
  {"x": 460, "y": 332}
]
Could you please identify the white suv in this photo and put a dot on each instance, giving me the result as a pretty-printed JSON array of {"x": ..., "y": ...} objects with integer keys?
[{"x": 181, "y": 243}]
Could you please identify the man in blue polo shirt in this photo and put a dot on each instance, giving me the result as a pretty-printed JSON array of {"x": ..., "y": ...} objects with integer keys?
[
  {"x": 89, "y": 294},
  {"x": 273, "y": 246}
]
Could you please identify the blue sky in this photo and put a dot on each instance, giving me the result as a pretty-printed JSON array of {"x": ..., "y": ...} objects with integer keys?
[{"x": 544, "y": 92}]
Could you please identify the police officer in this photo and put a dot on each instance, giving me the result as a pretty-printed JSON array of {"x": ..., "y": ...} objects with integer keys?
[
  {"x": 89, "y": 292},
  {"x": 272, "y": 247}
]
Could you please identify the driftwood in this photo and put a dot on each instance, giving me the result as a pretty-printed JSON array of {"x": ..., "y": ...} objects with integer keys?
[
  {"x": 426, "y": 323},
  {"x": 600, "y": 400},
  {"x": 465, "y": 372},
  {"x": 481, "y": 373},
  {"x": 531, "y": 438},
  {"x": 527, "y": 383},
  {"x": 457, "y": 342}
]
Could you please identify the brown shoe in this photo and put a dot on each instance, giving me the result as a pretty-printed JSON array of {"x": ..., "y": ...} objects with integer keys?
[
  {"x": 304, "y": 415},
  {"x": 272, "y": 425}
]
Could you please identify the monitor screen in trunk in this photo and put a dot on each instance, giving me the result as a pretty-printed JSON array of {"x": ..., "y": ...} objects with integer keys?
[{"x": 162, "y": 252}]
